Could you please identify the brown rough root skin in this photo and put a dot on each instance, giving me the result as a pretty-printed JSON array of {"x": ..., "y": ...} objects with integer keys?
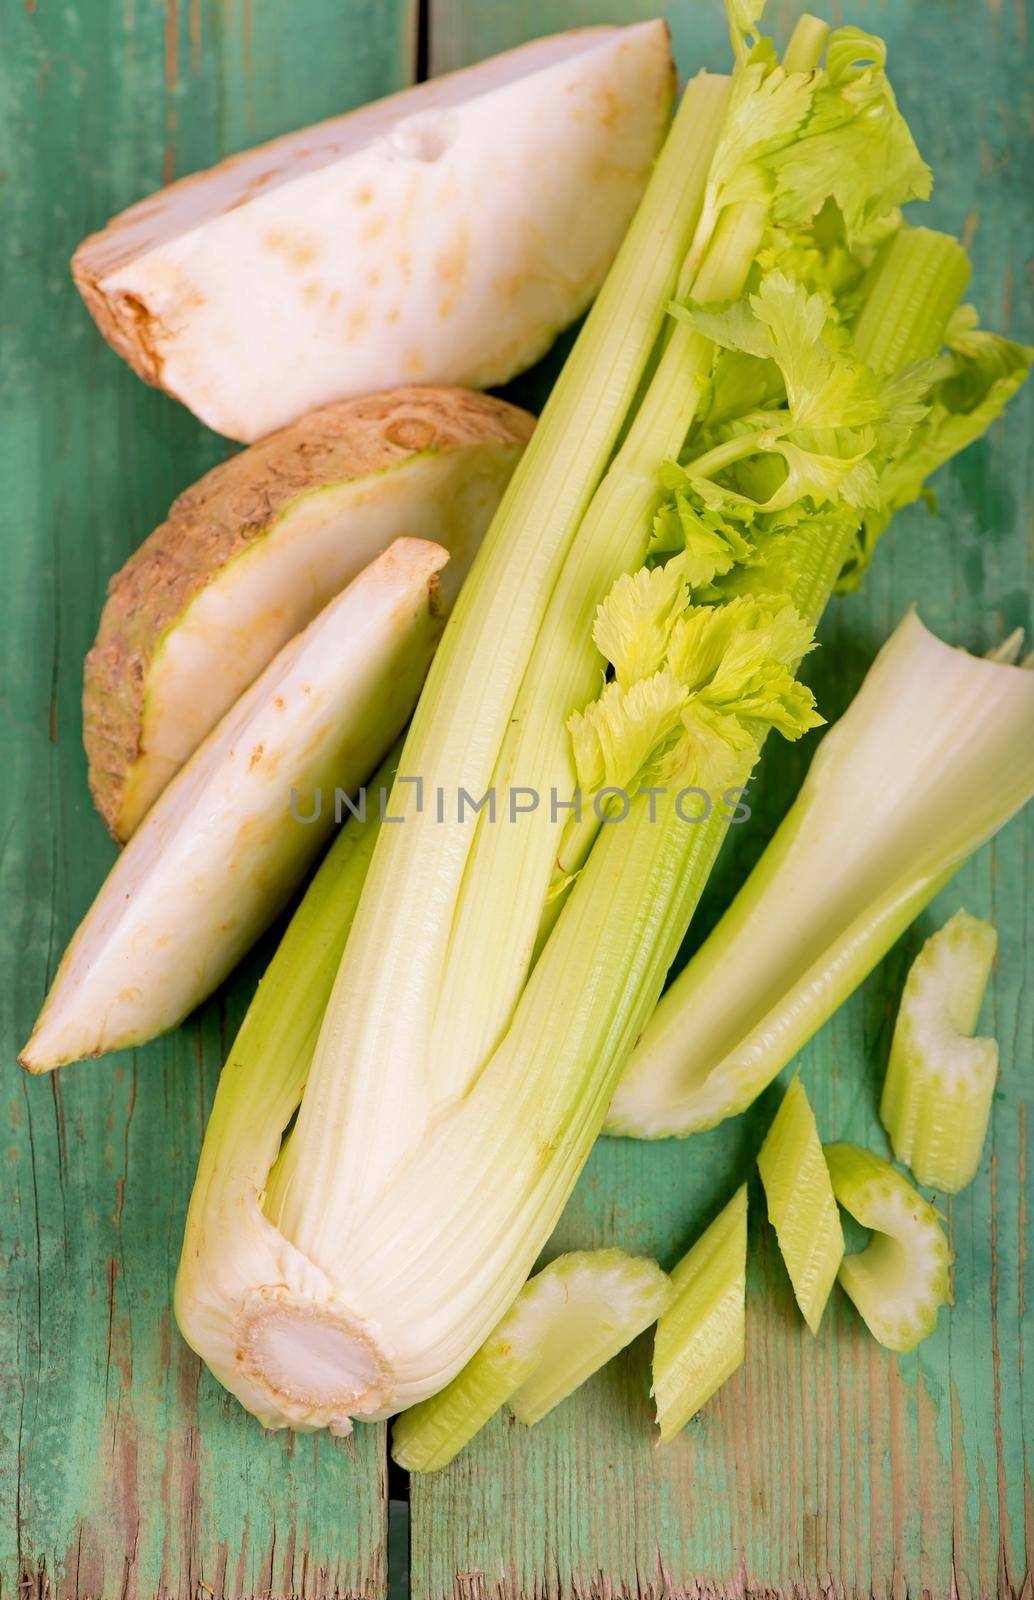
[{"x": 225, "y": 512}]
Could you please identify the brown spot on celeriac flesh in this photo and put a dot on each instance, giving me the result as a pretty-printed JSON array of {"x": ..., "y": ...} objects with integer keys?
[{"x": 296, "y": 249}]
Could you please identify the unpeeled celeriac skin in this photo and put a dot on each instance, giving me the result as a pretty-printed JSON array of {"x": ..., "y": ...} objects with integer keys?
[
  {"x": 443, "y": 235},
  {"x": 251, "y": 552},
  {"x": 231, "y": 836},
  {"x": 934, "y": 754}
]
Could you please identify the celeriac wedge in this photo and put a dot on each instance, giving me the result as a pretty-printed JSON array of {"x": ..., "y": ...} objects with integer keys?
[
  {"x": 900, "y": 1280},
  {"x": 701, "y": 1338},
  {"x": 566, "y": 1323},
  {"x": 443, "y": 235},
  {"x": 252, "y": 551},
  {"x": 234, "y": 832},
  {"x": 934, "y": 754},
  {"x": 937, "y": 1094},
  {"x": 801, "y": 1207}
]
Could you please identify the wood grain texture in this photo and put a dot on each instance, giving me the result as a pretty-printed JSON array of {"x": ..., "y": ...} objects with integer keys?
[
  {"x": 825, "y": 1467},
  {"x": 125, "y": 1471}
]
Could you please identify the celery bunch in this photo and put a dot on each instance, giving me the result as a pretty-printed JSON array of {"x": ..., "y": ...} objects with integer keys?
[{"x": 705, "y": 466}]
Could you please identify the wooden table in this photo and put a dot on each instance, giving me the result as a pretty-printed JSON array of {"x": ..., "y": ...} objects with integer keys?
[{"x": 824, "y": 1467}]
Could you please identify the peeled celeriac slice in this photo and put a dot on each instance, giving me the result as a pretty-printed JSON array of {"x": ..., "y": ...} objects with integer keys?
[
  {"x": 937, "y": 1094},
  {"x": 565, "y": 1324},
  {"x": 934, "y": 754},
  {"x": 257, "y": 547},
  {"x": 701, "y": 1338},
  {"x": 900, "y": 1280},
  {"x": 443, "y": 235},
  {"x": 801, "y": 1206},
  {"x": 234, "y": 832}
]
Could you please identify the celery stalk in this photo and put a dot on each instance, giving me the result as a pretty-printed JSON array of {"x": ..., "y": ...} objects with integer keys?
[
  {"x": 508, "y": 877},
  {"x": 801, "y": 1207},
  {"x": 896, "y": 800},
  {"x": 384, "y": 1005},
  {"x": 700, "y": 1339},
  {"x": 566, "y": 1323},
  {"x": 937, "y": 1094},
  {"x": 900, "y": 1280},
  {"x": 262, "y": 1083},
  {"x": 917, "y": 281}
]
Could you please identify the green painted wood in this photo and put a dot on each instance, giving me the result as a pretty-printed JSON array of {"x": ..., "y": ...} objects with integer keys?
[
  {"x": 825, "y": 1467},
  {"x": 124, "y": 1470}
]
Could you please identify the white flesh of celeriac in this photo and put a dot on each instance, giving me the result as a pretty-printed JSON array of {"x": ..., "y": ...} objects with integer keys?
[
  {"x": 934, "y": 754},
  {"x": 443, "y": 235},
  {"x": 218, "y": 855}
]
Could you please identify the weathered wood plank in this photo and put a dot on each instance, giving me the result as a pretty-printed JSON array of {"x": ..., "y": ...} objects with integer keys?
[
  {"x": 123, "y": 1470},
  {"x": 825, "y": 1466}
]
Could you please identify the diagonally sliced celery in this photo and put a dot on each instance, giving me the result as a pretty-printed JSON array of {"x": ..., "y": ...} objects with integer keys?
[
  {"x": 937, "y": 1094},
  {"x": 801, "y": 1207},
  {"x": 565, "y": 1324},
  {"x": 900, "y": 1280},
  {"x": 896, "y": 800},
  {"x": 700, "y": 1339}
]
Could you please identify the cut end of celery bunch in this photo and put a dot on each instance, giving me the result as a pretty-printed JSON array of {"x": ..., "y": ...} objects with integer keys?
[
  {"x": 801, "y": 1205},
  {"x": 701, "y": 1338},
  {"x": 900, "y": 1280}
]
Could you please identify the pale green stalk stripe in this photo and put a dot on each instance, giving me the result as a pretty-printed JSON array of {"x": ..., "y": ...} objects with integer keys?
[
  {"x": 916, "y": 283},
  {"x": 509, "y": 870},
  {"x": 369, "y": 1075}
]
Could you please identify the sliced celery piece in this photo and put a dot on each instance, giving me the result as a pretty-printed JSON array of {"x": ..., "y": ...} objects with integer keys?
[
  {"x": 567, "y": 1321},
  {"x": 700, "y": 1339},
  {"x": 934, "y": 754},
  {"x": 900, "y": 1280},
  {"x": 801, "y": 1206},
  {"x": 937, "y": 1094}
]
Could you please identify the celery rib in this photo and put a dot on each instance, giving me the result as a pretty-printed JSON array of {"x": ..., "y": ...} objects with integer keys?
[
  {"x": 701, "y": 1338},
  {"x": 895, "y": 801},
  {"x": 566, "y": 1323},
  {"x": 940, "y": 1081},
  {"x": 801, "y": 1206},
  {"x": 371, "y": 1075},
  {"x": 900, "y": 1280}
]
